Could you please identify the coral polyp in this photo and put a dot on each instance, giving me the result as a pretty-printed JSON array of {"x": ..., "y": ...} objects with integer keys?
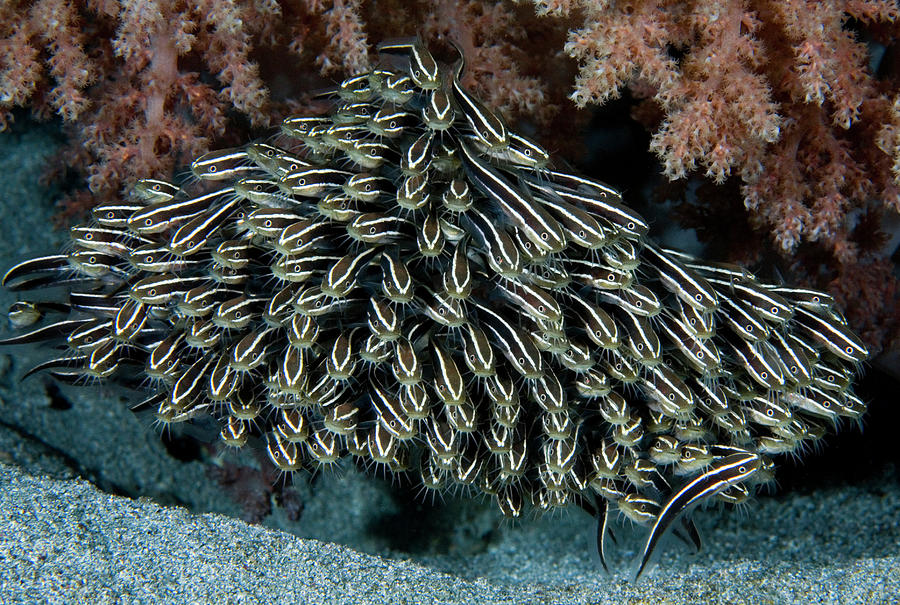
[{"x": 409, "y": 283}]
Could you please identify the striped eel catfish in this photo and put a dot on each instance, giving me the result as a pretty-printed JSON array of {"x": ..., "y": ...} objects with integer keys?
[{"x": 406, "y": 283}]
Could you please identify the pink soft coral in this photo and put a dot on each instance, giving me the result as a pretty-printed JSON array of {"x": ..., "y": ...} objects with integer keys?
[
  {"x": 145, "y": 86},
  {"x": 776, "y": 94}
]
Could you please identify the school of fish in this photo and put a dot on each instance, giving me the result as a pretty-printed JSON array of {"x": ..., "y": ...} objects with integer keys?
[{"x": 408, "y": 282}]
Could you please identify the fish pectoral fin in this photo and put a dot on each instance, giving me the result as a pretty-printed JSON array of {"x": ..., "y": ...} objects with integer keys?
[
  {"x": 602, "y": 528},
  {"x": 693, "y": 533},
  {"x": 612, "y": 536},
  {"x": 151, "y": 402}
]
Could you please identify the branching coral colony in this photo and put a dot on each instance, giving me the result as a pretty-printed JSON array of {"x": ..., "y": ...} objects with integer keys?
[
  {"x": 407, "y": 282},
  {"x": 777, "y": 96},
  {"x": 144, "y": 87}
]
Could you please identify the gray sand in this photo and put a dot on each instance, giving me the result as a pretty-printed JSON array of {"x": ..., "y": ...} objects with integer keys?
[
  {"x": 173, "y": 533},
  {"x": 64, "y": 541}
]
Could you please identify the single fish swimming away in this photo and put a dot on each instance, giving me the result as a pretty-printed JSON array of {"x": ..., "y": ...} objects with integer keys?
[
  {"x": 722, "y": 474},
  {"x": 408, "y": 283}
]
